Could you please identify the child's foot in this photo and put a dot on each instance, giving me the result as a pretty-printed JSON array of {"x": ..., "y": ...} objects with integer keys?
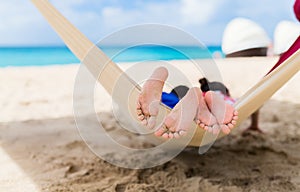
[
  {"x": 225, "y": 114},
  {"x": 205, "y": 119},
  {"x": 182, "y": 115},
  {"x": 149, "y": 99}
]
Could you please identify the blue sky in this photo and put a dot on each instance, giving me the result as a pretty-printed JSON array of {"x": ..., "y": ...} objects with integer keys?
[{"x": 22, "y": 25}]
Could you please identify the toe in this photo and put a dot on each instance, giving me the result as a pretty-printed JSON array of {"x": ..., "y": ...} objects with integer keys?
[
  {"x": 225, "y": 129},
  {"x": 139, "y": 111},
  {"x": 230, "y": 125},
  {"x": 145, "y": 110},
  {"x": 176, "y": 135},
  {"x": 141, "y": 117},
  {"x": 182, "y": 132},
  {"x": 165, "y": 135},
  {"x": 202, "y": 125}
]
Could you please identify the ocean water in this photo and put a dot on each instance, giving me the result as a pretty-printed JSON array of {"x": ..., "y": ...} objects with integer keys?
[{"x": 41, "y": 56}]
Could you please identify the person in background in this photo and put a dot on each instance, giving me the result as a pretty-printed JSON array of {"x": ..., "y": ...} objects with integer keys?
[
  {"x": 245, "y": 38},
  {"x": 285, "y": 34},
  {"x": 210, "y": 110},
  {"x": 259, "y": 49},
  {"x": 296, "y": 45}
]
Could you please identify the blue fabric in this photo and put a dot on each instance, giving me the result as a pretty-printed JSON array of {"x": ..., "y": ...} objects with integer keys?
[{"x": 169, "y": 99}]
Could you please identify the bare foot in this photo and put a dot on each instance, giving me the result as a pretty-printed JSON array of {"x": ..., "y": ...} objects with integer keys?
[
  {"x": 180, "y": 118},
  {"x": 225, "y": 114},
  {"x": 205, "y": 119},
  {"x": 149, "y": 99}
]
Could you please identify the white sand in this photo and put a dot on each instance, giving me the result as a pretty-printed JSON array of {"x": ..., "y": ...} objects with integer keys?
[
  {"x": 46, "y": 92},
  {"x": 41, "y": 147}
]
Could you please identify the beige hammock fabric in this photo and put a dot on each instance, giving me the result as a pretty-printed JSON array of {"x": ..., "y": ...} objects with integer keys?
[{"x": 95, "y": 60}]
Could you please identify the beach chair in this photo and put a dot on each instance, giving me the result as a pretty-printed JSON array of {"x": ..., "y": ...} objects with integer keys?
[{"x": 95, "y": 60}]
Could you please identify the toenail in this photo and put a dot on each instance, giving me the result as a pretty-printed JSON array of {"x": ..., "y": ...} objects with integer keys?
[
  {"x": 176, "y": 135},
  {"x": 182, "y": 132},
  {"x": 165, "y": 135}
]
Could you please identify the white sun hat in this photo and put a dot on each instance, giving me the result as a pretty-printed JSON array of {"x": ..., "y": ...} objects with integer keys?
[
  {"x": 285, "y": 34},
  {"x": 241, "y": 34}
]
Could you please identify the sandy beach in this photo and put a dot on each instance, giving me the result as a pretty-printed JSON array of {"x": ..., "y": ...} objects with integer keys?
[{"x": 41, "y": 149}]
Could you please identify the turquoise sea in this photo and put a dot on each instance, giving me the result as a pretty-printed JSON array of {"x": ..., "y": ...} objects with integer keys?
[{"x": 41, "y": 56}]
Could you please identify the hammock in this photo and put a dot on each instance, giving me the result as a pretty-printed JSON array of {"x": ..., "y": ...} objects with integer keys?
[{"x": 111, "y": 75}]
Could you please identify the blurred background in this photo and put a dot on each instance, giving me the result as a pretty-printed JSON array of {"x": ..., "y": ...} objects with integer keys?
[{"x": 23, "y": 27}]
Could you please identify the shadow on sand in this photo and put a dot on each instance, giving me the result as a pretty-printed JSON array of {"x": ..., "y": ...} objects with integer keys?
[{"x": 55, "y": 158}]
